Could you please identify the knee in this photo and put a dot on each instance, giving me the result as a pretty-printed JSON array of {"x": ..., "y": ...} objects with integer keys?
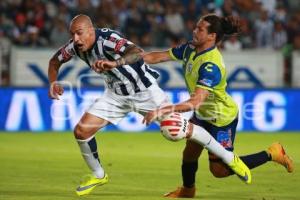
[
  {"x": 219, "y": 171},
  {"x": 79, "y": 132}
]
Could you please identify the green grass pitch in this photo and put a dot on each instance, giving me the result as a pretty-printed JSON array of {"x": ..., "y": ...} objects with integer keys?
[{"x": 141, "y": 166}]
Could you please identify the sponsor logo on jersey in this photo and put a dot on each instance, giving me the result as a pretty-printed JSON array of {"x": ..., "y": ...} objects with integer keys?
[
  {"x": 189, "y": 67},
  {"x": 120, "y": 44},
  {"x": 206, "y": 82}
]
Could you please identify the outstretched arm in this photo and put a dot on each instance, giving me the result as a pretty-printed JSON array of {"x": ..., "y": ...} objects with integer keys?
[
  {"x": 156, "y": 57},
  {"x": 195, "y": 101},
  {"x": 131, "y": 55}
]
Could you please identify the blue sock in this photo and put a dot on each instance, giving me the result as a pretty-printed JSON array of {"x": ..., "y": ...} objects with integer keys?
[{"x": 255, "y": 160}]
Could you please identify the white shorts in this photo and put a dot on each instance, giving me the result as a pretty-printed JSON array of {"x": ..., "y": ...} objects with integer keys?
[{"x": 113, "y": 107}]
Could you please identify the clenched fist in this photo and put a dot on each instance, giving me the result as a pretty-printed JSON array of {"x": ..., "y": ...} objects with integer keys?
[{"x": 55, "y": 90}]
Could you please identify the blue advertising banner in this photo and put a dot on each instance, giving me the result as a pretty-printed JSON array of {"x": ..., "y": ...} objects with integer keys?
[{"x": 30, "y": 109}]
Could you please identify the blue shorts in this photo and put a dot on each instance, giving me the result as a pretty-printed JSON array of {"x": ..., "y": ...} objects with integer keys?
[{"x": 224, "y": 135}]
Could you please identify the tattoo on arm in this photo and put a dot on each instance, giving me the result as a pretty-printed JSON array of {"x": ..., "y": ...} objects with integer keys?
[
  {"x": 129, "y": 59},
  {"x": 120, "y": 61},
  {"x": 131, "y": 56}
]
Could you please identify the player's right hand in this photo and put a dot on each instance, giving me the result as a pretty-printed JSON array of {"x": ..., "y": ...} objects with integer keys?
[
  {"x": 55, "y": 91},
  {"x": 103, "y": 65}
]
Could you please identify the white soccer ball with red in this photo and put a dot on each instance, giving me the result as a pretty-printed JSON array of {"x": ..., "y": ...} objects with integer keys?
[{"x": 174, "y": 126}]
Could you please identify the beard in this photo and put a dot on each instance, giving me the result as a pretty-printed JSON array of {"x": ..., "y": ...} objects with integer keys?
[{"x": 197, "y": 43}]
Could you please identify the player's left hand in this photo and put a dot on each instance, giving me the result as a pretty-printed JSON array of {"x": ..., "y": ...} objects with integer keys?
[{"x": 103, "y": 65}]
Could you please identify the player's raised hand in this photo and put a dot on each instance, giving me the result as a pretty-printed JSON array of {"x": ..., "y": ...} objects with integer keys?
[
  {"x": 55, "y": 91},
  {"x": 103, "y": 65}
]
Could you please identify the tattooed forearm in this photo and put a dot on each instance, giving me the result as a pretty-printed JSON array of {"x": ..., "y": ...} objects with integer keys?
[
  {"x": 120, "y": 61},
  {"x": 129, "y": 59},
  {"x": 131, "y": 56}
]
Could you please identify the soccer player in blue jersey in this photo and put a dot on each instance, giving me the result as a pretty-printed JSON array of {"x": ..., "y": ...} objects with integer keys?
[
  {"x": 214, "y": 110},
  {"x": 130, "y": 86}
]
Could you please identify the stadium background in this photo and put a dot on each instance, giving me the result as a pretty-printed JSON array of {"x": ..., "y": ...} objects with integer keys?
[{"x": 263, "y": 66}]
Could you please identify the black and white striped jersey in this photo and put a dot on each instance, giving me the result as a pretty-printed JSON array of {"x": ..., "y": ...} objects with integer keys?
[{"x": 110, "y": 45}]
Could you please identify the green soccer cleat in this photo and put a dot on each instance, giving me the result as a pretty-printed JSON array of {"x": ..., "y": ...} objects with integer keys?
[
  {"x": 240, "y": 169},
  {"x": 89, "y": 182}
]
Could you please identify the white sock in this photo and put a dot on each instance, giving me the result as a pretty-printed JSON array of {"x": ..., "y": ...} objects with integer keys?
[
  {"x": 88, "y": 148},
  {"x": 201, "y": 136}
]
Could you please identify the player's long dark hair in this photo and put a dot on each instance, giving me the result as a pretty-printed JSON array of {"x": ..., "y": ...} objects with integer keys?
[{"x": 222, "y": 25}]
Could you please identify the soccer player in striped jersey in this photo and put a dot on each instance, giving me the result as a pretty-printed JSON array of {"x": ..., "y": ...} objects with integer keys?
[
  {"x": 215, "y": 110},
  {"x": 130, "y": 86}
]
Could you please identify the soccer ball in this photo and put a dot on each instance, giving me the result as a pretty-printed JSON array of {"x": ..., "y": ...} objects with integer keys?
[{"x": 174, "y": 126}]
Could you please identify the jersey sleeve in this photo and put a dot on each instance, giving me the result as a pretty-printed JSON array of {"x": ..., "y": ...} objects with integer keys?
[
  {"x": 209, "y": 76},
  {"x": 66, "y": 52},
  {"x": 176, "y": 53},
  {"x": 114, "y": 43}
]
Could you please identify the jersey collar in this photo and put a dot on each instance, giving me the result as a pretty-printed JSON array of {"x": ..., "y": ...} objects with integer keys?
[{"x": 204, "y": 51}]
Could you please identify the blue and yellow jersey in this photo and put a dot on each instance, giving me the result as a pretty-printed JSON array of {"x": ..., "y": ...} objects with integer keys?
[{"x": 206, "y": 70}]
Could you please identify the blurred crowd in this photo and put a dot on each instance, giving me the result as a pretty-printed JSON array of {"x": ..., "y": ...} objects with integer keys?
[{"x": 272, "y": 24}]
